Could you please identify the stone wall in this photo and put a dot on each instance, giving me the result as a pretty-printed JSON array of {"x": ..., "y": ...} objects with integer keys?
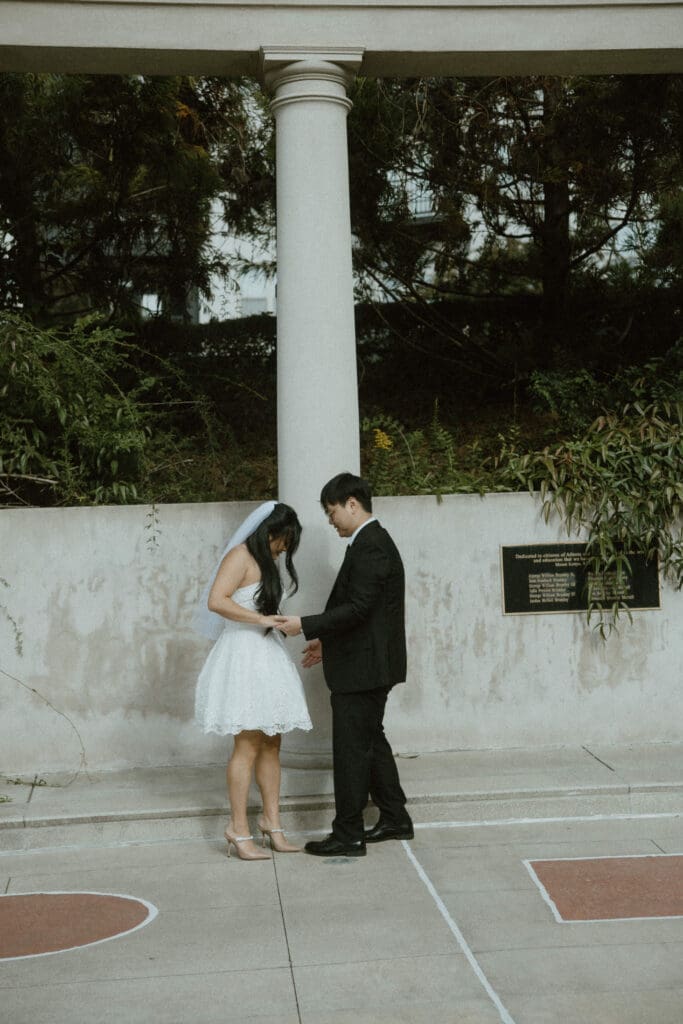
[{"x": 95, "y": 610}]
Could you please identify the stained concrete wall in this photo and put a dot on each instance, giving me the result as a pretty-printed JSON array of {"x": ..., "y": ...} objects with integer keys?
[{"x": 95, "y": 609}]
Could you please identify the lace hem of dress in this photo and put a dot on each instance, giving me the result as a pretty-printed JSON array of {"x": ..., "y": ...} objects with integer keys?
[{"x": 233, "y": 728}]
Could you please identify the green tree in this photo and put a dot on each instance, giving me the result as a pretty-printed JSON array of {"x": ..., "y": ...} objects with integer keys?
[
  {"x": 69, "y": 432},
  {"x": 535, "y": 183},
  {"x": 89, "y": 416},
  {"x": 619, "y": 478},
  {"x": 106, "y": 188}
]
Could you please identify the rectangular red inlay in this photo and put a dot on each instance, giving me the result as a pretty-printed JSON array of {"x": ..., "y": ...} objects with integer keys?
[{"x": 605, "y": 888}]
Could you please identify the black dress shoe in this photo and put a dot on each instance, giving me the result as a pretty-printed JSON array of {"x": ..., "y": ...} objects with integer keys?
[
  {"x": 333, "y": 847},
  {"x": 383, "y": 831}
]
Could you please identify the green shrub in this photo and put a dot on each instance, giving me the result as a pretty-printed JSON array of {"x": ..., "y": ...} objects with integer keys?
[
  {"x": 69, "y": 433},
  {"x": 621, "y": 482}
]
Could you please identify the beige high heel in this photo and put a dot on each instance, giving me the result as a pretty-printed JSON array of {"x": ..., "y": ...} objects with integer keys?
[
  {"x": 242, "y": 854},
  {"x": 284, "y": 846}
]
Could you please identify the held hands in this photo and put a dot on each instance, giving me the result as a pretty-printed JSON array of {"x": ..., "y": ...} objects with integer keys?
[
  {"x": 270, "y": 621},
  {"x": 290, "y": 625}
]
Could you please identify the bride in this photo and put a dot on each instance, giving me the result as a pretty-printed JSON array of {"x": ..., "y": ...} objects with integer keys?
[{"x": 249, "y": 686}]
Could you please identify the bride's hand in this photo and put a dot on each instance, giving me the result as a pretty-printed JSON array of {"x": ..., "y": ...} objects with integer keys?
[
  {"x": 271, "y": 621},
  {"x": 290, "y": 625}
]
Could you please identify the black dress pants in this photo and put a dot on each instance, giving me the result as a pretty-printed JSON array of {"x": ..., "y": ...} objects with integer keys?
[{"x": 363, "y": 763}]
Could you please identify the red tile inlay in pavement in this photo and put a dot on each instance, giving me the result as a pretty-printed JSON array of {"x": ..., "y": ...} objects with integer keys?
[
  {"x": 607, "y": 888},
  {"x": 46, "y": 922}
]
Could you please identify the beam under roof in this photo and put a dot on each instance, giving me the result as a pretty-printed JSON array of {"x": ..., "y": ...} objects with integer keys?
[{"x": 399, "y": 39}]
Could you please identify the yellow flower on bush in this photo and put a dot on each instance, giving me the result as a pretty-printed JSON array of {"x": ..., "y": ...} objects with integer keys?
[{"x": 382, "y": 440}]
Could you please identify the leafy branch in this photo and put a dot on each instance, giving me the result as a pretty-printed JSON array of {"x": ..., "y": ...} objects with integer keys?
[{"x": 620, "y": 484}]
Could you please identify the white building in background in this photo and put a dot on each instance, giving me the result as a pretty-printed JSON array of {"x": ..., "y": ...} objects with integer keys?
[{"x": 251, "y": 288}]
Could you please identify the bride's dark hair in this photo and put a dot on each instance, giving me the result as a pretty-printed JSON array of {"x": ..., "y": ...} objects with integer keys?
[{"x": 281, "y": 524}]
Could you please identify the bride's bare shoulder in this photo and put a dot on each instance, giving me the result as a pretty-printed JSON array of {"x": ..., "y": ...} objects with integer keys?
[
  {"x": 240, "y": 563},
  {"x": 238, "y": 557},
  {"x": 238, "y": 569}
]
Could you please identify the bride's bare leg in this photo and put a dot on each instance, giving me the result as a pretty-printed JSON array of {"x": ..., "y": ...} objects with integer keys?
[
  {"x": 268, "y": 776},
  {"x": 238, "y": 775}
]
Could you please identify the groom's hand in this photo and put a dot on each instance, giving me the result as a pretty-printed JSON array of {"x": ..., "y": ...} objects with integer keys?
[
  {"x": 290, "y": 625},
  {"x": 313, "y": 654}
]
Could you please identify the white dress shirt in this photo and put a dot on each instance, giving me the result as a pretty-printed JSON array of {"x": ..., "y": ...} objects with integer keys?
[{"x": 372, "y": 519}]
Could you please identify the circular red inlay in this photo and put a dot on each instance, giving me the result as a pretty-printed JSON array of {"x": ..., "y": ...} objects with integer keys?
[{"x": 50, "y": 922}]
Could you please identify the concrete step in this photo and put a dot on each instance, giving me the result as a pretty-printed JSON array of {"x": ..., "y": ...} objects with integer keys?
[{"x": 166, "y": 804}]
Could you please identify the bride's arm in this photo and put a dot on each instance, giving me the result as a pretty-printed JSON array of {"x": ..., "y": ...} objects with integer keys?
[{"x": 231, "y": 575}]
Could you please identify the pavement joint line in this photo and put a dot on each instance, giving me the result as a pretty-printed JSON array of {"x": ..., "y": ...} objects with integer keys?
[
  {"x": 599, "y": 759},
  {"x": 137, "y": 977},
  {"x": 289, "y": 951},
  {"x": 459, "y": 937}
]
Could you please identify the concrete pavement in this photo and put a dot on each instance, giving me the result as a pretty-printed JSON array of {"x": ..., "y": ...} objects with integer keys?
[{"x": 451, "y": 926}]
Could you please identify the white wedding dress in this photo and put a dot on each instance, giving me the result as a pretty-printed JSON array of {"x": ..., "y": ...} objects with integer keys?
[{"x": 249, "y": 680}]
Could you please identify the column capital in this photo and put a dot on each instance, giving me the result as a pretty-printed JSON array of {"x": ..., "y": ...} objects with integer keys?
[
  {"x": 274, "y": 57},
  {"x": 288, "y": 65}
]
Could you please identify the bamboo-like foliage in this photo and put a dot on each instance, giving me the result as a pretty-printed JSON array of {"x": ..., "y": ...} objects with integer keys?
[
  {"x": 621, "y": 486},
  {"x": 70, "y": 433}
]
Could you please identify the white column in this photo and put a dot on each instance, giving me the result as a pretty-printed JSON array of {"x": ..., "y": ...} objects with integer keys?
[
  {"x": 317, "y": 383},
  {"x": 317, "y": 404}
]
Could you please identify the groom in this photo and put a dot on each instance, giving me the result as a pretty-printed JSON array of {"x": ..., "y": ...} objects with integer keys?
[{"x": 360, "y": 639}]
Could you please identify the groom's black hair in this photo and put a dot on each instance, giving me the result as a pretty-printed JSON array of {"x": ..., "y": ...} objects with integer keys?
[{"x": 340, "y": 488}]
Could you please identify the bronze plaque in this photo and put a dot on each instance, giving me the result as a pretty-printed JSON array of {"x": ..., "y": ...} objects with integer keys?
[{"x": 542, "y": 578}]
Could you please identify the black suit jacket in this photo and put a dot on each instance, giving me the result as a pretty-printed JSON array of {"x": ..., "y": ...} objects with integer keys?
[{"x": 363, "y": 626}]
